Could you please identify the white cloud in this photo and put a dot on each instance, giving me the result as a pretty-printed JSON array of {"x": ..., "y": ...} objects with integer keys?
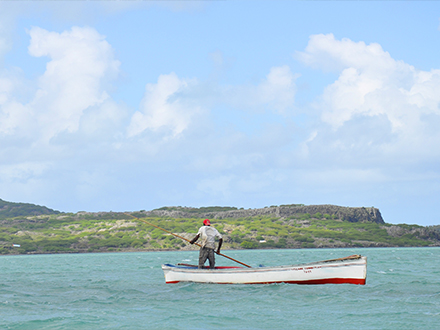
[
  {"x": 75, "y": 78},
  {"x": 370, "y": 82},
  {"x": 15, "y": 117},
  {"x": 327, "y": 53},
  {"x": 172, "y": 104},
  {"x": 165, "y": 107},
  {"x": 278, "y": 90},
  {"x": 80, "y": 68},
  {"x": 66, "y": 123},
  {"x": 377, "y": 105}
]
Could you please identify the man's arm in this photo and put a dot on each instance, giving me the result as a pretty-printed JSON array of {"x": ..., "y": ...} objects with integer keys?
[
  {"x": 220, "y": 241},
  {"x": 195, "y": 239}
]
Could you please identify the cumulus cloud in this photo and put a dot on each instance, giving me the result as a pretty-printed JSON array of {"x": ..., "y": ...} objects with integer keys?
[
  {"x": 81, "y": 63},
  {"x": 371, "y": 82},
  {"x": 170, "y": 105},
  {"x": 327, "y": 53},
  {"x": 278, "y": 89},
  {"x": 68, "y": 113},
  {"x": 165, "y": 107},
  {"x": 397, "y": 98},
  {"x": 76, "y": 77}
]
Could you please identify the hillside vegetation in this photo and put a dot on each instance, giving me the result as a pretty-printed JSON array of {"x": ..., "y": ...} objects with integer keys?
[
  {"x": 10, "y": 210},
  {"x": 272, "y": 227}
]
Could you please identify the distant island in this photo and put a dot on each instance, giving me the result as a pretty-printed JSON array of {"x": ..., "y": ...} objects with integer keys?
[{"x": 32, "y": 229}]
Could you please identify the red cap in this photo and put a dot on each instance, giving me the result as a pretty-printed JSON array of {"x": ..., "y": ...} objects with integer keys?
[{"x": 206, "y": 222}]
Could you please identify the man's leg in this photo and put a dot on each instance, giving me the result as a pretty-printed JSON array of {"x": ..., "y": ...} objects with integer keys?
[
  {"x": 211, "y": 257},
  {"x": 203, "y": 255}
]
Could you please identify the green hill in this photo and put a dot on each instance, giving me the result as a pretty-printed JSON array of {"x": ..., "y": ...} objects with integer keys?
[
  {"x": 11, "y": 210},
  {"x": 287, "y": 226}
]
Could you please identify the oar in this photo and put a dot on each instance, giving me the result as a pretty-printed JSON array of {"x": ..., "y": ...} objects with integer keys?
[{"x": 220, "y": 254}]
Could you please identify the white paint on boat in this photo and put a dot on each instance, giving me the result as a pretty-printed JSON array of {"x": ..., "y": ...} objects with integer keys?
[{"x": 352, "y": 269}]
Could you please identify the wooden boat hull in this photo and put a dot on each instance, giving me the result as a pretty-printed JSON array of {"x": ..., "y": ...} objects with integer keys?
[{"x": 350, "y": 270}]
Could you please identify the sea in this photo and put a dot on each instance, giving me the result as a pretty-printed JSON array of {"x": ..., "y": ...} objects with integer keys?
[{"x": 128, "y": 291}]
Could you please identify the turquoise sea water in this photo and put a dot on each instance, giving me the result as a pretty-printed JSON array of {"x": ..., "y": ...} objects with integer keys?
[{"x": 127, "y": 291}]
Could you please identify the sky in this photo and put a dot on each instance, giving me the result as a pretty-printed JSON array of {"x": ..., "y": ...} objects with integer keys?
[{"x": 136, "y": 105}]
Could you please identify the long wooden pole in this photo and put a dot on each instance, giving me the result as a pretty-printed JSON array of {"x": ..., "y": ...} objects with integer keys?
[{"x": 220, "y": 254}]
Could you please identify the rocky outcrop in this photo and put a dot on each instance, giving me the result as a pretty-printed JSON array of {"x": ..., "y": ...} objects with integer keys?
[
  {"x": 427, "y": 233},
  {"x": 351, "y": 214}
]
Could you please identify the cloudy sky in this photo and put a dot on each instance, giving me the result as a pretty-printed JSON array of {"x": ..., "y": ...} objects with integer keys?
[{"x": 131, "y": 105}]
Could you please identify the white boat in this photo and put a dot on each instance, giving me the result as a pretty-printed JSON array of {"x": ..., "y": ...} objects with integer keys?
[{"x": 351, "y": 270}]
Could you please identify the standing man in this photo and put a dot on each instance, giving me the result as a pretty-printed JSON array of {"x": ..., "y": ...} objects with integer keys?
[{"x": 208, "y": 235}]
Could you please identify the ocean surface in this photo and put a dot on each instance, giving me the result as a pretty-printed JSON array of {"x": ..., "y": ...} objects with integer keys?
[{"x": 127, "y": 291}]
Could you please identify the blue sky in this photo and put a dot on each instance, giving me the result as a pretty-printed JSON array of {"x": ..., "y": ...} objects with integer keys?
[{"x": 130, "y": 105}]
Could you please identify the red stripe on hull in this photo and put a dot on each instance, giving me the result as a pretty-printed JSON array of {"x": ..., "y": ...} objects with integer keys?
[{"x": 357, "y": 281}]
